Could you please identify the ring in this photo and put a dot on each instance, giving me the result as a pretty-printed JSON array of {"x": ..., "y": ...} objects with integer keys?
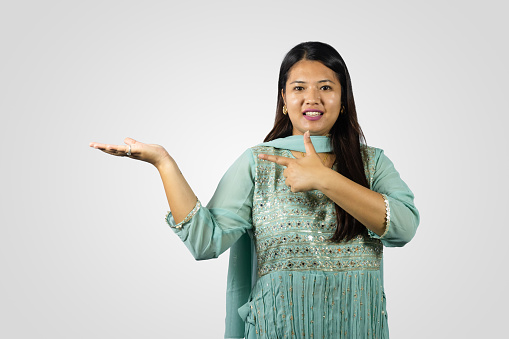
[{"x": 129, "y": 151}]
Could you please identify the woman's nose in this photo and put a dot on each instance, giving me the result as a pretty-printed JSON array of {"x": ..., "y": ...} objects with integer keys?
[{"x": 313, "y": 97}]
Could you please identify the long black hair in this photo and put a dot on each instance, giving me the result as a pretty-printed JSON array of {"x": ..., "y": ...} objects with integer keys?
[{"x": 346, "y": 134}]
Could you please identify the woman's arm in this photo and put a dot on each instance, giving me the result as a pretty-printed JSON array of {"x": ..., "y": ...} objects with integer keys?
[
  {"x": 181, "y": 197},
  {"x": 362, "y": 203},
  {"x": 403, "y": 215},
  {"x": 206, "y": 231}
]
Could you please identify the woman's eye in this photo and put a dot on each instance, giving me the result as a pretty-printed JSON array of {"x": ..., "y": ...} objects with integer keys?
[
  {"x": 326, "y": 88},
  {"x": 298, "y": 88}
]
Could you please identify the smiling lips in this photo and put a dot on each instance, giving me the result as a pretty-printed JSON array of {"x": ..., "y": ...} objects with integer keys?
[{"x": 312, "y": 115}]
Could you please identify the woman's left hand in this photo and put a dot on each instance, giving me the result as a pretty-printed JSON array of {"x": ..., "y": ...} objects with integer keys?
[{"x": 301, "y": 174}]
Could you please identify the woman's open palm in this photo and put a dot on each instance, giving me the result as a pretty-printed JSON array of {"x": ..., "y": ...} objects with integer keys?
[{"x": 151, "y": 153}]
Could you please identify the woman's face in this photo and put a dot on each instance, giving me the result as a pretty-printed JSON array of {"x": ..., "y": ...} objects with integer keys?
[{"x": 312, "y": 97}]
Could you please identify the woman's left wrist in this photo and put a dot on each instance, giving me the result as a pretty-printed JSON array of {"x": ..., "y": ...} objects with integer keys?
[{"x": 322, "y": 178}]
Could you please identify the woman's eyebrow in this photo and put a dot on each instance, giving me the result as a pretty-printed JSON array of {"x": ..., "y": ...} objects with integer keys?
[
  {"x": 303, "y": 82},
  {"x": 326, "y": 80}
]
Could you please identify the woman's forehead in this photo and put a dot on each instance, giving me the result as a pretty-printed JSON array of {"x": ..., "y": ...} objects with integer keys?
[{"x": 310, "y": 71}]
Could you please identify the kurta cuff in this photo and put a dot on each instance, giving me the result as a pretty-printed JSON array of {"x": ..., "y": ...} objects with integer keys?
[
  {"x": 387, "y": 220},
  {"x": 171, "y": 222}
]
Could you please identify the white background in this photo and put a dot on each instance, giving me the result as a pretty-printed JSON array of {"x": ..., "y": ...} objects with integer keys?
[{"x": 84, "y": 250}]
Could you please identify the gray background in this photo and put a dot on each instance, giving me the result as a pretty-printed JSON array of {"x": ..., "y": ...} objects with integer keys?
[{"x": 84, "y": 250}]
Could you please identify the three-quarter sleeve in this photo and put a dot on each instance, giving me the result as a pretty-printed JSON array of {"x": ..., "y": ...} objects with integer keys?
[
  {"x": 402, "y": 217},
  {"x": 209, "y": 231}
]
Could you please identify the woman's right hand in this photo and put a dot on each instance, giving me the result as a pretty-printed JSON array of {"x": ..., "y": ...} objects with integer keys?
[{"x": 151, "y": 153}]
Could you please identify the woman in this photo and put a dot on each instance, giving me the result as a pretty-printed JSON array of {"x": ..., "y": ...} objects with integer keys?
[{"x": 305, "y": 213}]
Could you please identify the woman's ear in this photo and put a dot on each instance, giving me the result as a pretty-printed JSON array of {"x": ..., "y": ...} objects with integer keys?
[{"x": 283, "y": 95}]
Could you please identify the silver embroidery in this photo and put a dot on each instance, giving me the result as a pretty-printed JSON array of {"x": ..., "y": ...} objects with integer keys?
[
  {"x": 186, "y": 219},
  {"x": 387, "y": 215},
  {"x": 292, "y": 230}
]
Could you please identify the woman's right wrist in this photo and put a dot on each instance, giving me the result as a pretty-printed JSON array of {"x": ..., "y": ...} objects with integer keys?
[{"x": 166, "y": 164}]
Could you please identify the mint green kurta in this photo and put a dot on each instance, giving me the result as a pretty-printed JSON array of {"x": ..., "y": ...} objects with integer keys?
[{"x": 285, "y": 278}]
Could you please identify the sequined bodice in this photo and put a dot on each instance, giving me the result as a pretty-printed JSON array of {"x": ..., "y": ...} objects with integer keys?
[{"x": 292, "y": 230}]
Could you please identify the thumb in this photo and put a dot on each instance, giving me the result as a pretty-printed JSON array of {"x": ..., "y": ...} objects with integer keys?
[
  {"x": 308, "y": 144},
  {"x": 129, "y": 141}
]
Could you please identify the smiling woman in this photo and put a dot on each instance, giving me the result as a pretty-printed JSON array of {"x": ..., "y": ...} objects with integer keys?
[
  {"x": 305, "y": 214},
  {"x": 312, "y": 96}
]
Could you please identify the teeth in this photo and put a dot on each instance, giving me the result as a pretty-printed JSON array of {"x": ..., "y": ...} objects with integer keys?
[{"x": 313, "y": 114}]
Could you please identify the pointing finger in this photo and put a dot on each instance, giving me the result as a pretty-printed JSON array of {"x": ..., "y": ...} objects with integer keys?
[
  {"x": 275, "y": 158},
  {"x": 308, "y": 144}
]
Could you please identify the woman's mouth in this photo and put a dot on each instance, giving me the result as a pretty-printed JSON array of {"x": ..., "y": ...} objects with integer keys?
[{"x": 312, "y": 115}]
